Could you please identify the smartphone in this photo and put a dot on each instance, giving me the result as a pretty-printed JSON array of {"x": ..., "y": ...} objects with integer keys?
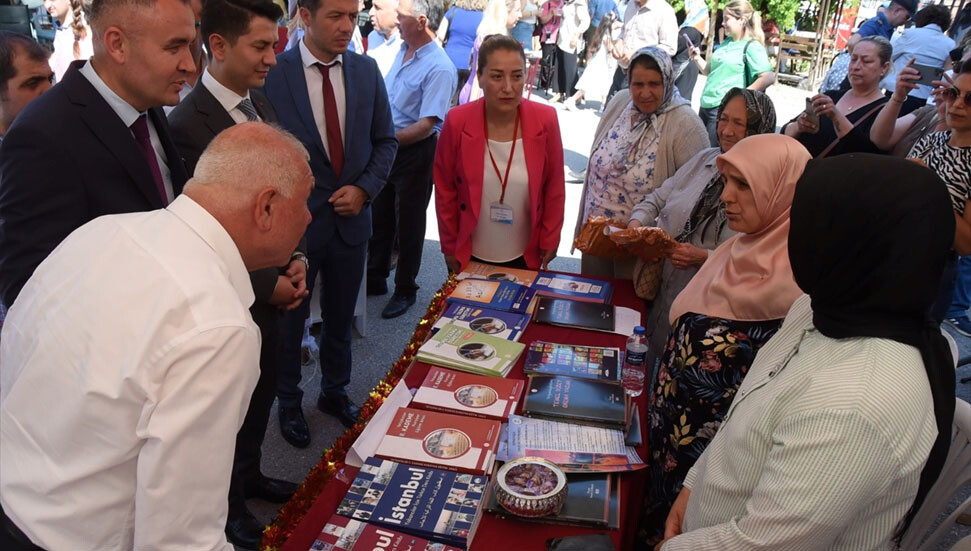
[
  {"x": 691, "y": 45},
  {"x": 811, "y": 112},
  {"x": 928, "y": 74}
]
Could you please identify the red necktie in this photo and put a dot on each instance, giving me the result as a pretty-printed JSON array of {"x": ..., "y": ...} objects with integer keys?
[
  {"x": 140, "y": 129},
  {"x": 334, "y": 140}
]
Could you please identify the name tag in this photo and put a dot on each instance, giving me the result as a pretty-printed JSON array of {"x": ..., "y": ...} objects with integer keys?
[{"x": 500, "y": 213}]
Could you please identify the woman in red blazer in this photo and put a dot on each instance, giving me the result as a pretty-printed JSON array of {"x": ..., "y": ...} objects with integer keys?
[{"x": 499, "y": 189}]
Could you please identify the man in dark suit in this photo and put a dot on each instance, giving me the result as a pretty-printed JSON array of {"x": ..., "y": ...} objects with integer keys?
[
  {"x": 241, "y": 36},
  {"x": 97, "y": 143},
  {"x": 316, "y": 89}
]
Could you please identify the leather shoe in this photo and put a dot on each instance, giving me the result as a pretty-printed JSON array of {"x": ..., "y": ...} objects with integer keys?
[
  {"x": 269, "y": 489},
  {"x": 340, "y": 407},
  {"x": 243, "y": 530},
  {"x": 399, "y": 304},
  {"x": 377, "y": 287},
  {"x": 293, "y": 427}
]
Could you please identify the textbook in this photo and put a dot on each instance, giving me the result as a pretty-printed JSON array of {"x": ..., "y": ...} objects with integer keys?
[
  {"x": 497, "y": 295},
  {"x": 577, "y": 401},
  {"x": 346, "y": 534},
  {"x": 588, "y": 362},
  {"x": 462, "y": 393},
  {"x": 575, "y": 313},
  {"x": 587, "y": 502},
  {"x": 572, "y": 286},
  {"x": 505, "y": 325},
  {"x": 481, "y": 270},
  {"x": 470, "y": 351},
  {"x": 434, "y": 504},
  {"x": 441, "y": 440}
]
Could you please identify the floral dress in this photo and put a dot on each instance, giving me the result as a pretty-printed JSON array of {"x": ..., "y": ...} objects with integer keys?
[{"x": 703, "y": 365}]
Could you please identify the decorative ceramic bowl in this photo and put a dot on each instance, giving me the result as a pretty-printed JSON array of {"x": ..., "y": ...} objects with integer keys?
[{"x": 531, "y": 487}]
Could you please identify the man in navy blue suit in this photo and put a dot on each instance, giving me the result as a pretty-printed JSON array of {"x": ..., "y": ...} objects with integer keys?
[
  {"x": 335, "y": 102},
  {"x": 97, "y": 143}
]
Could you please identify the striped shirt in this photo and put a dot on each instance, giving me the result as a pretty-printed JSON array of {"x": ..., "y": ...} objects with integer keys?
[{"x": 821, "y": 449}]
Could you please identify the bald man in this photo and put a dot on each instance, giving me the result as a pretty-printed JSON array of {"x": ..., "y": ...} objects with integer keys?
[
  {"x": 127, "y": 363},
  {"x": 98, "y": 142}
]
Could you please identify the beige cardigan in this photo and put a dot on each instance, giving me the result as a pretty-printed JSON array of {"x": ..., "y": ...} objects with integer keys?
[{"x": 682, "y": 136}]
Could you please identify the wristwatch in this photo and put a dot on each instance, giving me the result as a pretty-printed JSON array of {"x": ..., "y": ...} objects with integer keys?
[{"x": 297, "y": 255}]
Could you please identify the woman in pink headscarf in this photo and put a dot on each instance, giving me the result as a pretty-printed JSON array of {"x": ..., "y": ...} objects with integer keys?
[{"x": 731, "y": 307}]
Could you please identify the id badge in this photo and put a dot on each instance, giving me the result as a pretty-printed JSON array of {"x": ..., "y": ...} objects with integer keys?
[{"x": 500, "y": 213}]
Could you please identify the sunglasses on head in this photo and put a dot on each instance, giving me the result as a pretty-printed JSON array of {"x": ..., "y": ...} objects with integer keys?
[{"x": 951, "y": 94}]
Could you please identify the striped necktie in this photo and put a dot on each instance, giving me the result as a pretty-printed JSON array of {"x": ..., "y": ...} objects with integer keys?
[{"x": 247, "y": 108}]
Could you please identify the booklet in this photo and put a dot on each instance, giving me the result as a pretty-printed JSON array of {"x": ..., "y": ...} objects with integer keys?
[
  {"x": 470, "y": 351},
  {"x": 498, "y": 295},
  {"x": 463, "y": 393},
  {"x": 575, "y": 448},
  {"x": 346, "y": 534},
  {"x": 505, "y": 325},
  {"x": 481, "y": 270},
  {"x": 572, "y": 286},
  {"x": 595, "y": 316},
  {"x": 587, "y": 362},
  {"x": 441, "y": 440},
  {"x": 577, "y": 401},
  {"x": 434, "y": 504}
]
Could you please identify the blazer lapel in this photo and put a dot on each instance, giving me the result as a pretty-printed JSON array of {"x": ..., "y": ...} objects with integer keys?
[
  {"x": 215, "y": 116},
  {"x": 177, "y": 172},
  {"x": 473, "y": 156},
  {"x": 349, "y": 67},
  {"x": 534, "y": 148},
  {"x": 107, "y": 128},
  {"x": 293, "y": 70}
]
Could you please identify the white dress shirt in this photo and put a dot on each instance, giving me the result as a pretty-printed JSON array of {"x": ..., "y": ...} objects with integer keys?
[
  {"x": 228, "y": 99},
  {"x": 126, "y": 368},
  {"x": 315, "y": 88},
  {"x": 822, "y": 447},
  {"x": 128, "y": 116},
  {"x": 653, "y": 24},
  {"x": 383, "y": 50}
]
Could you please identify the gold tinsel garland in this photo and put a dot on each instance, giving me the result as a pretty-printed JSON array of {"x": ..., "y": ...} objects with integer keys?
[{"x": 277, "y": 533}]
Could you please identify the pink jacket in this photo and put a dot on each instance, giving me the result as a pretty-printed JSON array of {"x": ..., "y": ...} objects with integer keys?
[{"x": 459, "y": 165}]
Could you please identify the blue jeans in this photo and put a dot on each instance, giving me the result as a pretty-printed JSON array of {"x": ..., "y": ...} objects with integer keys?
[
  {"x": 523, "y": 33},
  {"x": 961, "y": 298}
]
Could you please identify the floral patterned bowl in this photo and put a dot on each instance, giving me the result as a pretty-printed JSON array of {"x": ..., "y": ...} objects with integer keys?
[{"x": 531, "y": 487}]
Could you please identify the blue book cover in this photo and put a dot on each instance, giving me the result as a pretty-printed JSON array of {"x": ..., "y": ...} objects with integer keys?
[
  {"x": 505, "y": 325},
  {"x": 573, "y": 286},
  {"x": 497, "y": 295},
  {"x": 434, "y": 504}
]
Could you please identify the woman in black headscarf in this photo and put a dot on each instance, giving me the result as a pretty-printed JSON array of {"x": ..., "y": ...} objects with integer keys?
[{"x": 843, "y": 423}]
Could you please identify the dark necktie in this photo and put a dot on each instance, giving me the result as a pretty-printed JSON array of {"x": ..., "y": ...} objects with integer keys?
[
  {"x": 246, "y": 106},
  {"x": 334, "y": 140},
  {"x": 140, "y": 129}
]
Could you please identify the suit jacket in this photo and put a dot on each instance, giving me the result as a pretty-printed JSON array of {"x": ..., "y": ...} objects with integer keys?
[
  {"x": 66, "y": 160},
  {"x": 195, "y": 122},
  {"x": 459, "y": 165},
  {"x": 369, "y": 140}
]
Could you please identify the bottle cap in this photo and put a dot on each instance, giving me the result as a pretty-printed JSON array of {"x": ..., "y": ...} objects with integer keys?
[{"x": 639, "y": 330}]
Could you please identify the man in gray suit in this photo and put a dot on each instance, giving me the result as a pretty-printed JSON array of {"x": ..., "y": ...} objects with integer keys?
[{"x": 241, "y": 36}]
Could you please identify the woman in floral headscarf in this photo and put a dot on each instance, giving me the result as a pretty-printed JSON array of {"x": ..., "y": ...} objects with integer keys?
[
  {"x": 732, "y": 306},
  {"x": 646, "y": 134},
  {"x": 688, "y": 206}
]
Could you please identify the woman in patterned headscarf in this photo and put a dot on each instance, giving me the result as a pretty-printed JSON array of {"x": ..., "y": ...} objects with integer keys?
[
  {"x": 721, "y": 318},
  {"x": 646, "y": 134},
  {"x": 688, "y": 206}
]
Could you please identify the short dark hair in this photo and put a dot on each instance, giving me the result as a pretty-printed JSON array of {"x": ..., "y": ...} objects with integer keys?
[
  {"x": 934, "y": 14},
  {"x": 12, "y": 44},
  {"x": 498, "y": 42},
  {"x": 311, "y": 5},
  {"x": 98, "y": 9},
  {"x": 230, "y": 19}
]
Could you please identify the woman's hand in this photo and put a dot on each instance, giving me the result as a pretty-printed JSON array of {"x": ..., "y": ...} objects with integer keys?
[
  {"x": 906, "y": 82},
  {"x": 453, "y": 264},
  {"x": 634, "y": 223},
  {"x": 940, "y": 101},
  {"x": 824, "y": 105},
  {"x": 545, "y": 256},
  {"x": 804, "y": 125},
  {"x": 686, "y": 255}
]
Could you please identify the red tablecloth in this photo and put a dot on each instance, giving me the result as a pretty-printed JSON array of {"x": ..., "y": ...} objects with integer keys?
[{"x": 498, "y": 534}]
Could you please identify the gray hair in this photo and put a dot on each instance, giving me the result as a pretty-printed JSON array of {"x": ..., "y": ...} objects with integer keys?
[
  {"x": 248, "y": 158},
  {"x": 433, "y": 10}
]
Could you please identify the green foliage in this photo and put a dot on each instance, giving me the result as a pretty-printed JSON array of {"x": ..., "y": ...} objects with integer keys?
[{"x": 783, "y": 11}]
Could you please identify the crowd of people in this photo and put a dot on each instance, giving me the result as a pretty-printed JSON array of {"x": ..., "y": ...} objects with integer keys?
[{"x": 157, "y": 266}]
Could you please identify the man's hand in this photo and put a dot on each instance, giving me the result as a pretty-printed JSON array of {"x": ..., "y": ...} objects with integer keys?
[
  {"x": 686, "y": 255},
  {"x": 545, "y": 256},
  {"x": 348, "y": 200},
  {"x": 284, "y": 294},
  {"x": 672, "y": 526},
  {"x": 452, "y": 264}
]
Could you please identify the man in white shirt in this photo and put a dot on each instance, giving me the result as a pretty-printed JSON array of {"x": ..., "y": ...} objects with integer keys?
[
  {"x": 384, "y": 42},
  {"x": 646, "y": 23},
  {"x": 129, "y": 358}
]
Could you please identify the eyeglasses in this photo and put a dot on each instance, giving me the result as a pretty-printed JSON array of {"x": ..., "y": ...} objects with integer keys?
[{"x": 951, "y": 94}]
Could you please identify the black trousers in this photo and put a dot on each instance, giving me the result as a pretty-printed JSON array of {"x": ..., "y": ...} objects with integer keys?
[
  {"x": 249, "y": 439},
  {"x": 400, "y": 208},
  {"x": 620, "y": 82},
  {"x": 566, "y": 73},
  {"x": 547, "y": 66},
  {"x": 12, "y": 538}
]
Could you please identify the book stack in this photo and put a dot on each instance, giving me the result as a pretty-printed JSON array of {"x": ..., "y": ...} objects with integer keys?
[
  {"x": 480, "y": 270},
  {"x": 453, "y": 392},
  {"x": 433, "y": 504},
  {"x": 467, "y": 350},
  {"x": 572, "y": 287},
  {"x": 346, "y": 534},
  {"x": 596, "y": 363},
  {"x": 504, "y": 325},
  {"x": 496, "y": 295},
  {"x": 577, "y": 400},
  {"x": 441, "y": 440}
]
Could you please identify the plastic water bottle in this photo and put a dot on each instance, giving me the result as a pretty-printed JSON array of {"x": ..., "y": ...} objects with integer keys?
[{"x": 635, "y": 360}]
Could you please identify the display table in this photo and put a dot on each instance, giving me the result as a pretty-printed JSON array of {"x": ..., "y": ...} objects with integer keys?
[{"x": 301, "y": 520}]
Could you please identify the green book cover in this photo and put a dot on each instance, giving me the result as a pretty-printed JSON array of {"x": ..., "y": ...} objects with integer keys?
[{"x": 467, "y": 350}]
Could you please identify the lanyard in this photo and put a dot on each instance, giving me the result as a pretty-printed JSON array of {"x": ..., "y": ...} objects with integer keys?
[{"x": 512, "y": 151}]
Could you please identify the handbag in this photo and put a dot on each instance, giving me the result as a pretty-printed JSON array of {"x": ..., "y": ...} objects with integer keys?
[{"x": 647, "y": 278}]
